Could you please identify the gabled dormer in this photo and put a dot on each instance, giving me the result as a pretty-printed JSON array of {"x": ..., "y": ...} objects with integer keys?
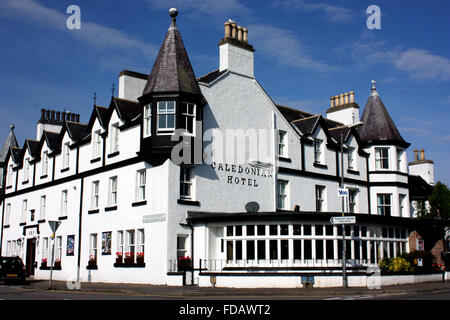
[
  {"x": 11, "y": 141},
  {"x": 171, "y": 99}
]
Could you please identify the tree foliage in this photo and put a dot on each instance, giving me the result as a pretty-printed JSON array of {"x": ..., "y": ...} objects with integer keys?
[{"x": 440, "y": 201}]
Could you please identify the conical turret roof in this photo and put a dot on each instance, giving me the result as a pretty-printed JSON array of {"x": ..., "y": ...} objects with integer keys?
[
  {"x": 11, "y": 141},
  {"x": 379, "y": 128},
  {"x": 172, "y": 71}
]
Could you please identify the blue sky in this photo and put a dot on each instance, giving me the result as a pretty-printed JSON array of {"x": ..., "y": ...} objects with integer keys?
[{"x": 306, "y": 51}]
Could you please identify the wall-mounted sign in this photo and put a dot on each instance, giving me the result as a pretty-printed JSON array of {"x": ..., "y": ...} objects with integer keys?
[
  {"x": 31, "y": 232},
  {"x": 236, "y": 171},
  {"x": 343, "y": 220},
  {"x": 154, "y": 218}
]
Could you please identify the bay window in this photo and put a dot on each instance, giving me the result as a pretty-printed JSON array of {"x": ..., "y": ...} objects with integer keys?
[
  {"x": 384, "y": 204},
  {"x": 148, "y": 120},
  {"x": 382, "y": 158},
  {"x": 187, "y": 117}
]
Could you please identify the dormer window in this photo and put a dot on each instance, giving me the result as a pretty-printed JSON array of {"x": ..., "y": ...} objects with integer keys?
[
  {"x": 96, "y": 145},
  {"x": 114, "y": 138},
  {"x": 318, "y": 151},
  {"x": 44, "y": 163},
  {"x": 66, "y": 155},
  {"x": 351, "y": 159},
  {"x": 166, "y": 116},
  {"x": 187, "y": 117},
  {"x": 26, "y": 170},
  {"x": 148, "y": 120}
]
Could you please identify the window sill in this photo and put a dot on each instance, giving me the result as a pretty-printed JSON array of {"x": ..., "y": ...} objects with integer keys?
[
  {"x": 284, "y": 159},
  {"x": 129, "y": 265},
  {"x": 353, "y": 171},
  {"x": 112, "y": 208},
  {"x": 139, "y": 203},
  {"x": 320, "y": 165},
  {"x": 91, "y": 267},
  {"x": 65, "y": 169},
  {"x": 188, "y": 202},
  {"x": 94, "y": 211},
  {"x": 22, "y": 224},
  {"x": 62, "y": 218},
  {"x": 114, "y": 154},
  {"x": 6, "y": 226},
  {"x": 41, "y": 221},
  {"x": 96, "y": 160},
  {"x": 25, "y": 182},
  {"x": 44, "y": 176}
]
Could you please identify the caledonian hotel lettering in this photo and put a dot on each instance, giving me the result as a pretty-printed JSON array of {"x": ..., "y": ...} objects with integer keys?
[{"x": 239, "y": 169}]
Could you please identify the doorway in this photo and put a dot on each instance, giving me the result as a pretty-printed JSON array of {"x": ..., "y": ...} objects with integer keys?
[{"x": 31, "y": 256}]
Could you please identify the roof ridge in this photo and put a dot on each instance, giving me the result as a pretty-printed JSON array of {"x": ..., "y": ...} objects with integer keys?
[{"x": 313, "y": 116}]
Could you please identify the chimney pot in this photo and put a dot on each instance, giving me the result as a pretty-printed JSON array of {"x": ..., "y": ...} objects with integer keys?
[
  {"x": 341, "y": 99},
  {"x": 42, "y": 114},
  {"x": 239, "y": 33},
  {"x": 233, "y": 30},
  {"x": 416, "y": 155},
  {"x": 352, "y": 96},
  {"x": 227, "y": 29},
  {"x": 346, "y": 97},
  {"x": 332, "y": 102},
  {"x": 47, "y": 114},
  {"x": 58, "y": 115},
  {"x": 245, "y": 35},
  {"x": 52, "y": 115},
  {"x": 336, "y": 101},
  {"x": 422, "y": 154}
]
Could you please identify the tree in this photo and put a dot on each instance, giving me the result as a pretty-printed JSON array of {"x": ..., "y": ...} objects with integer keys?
[{"x": 440, "y": 202}]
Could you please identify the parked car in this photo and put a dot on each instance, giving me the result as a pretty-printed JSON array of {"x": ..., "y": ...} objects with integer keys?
[{"x": 12, "y": 268}]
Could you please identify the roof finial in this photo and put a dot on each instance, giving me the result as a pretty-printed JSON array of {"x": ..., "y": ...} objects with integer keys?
[
  {"x": 113, "y": 89},
  {"x": 12, "y": 127},
  {"x": 173, "y": 13},
  {"x": 95, "y": 98},
  {"x": 374, "y": 89}
]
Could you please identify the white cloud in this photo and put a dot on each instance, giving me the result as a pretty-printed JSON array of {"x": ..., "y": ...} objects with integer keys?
[
  {"x": 332, "y": 13},
  {"x": 285, "y": 47},
  {"x": 421, "y": 64},
  {"x": 96, "y": 35}
]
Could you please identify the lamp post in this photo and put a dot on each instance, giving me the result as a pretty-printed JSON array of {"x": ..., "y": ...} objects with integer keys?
[{"x": 341, "y": 185}]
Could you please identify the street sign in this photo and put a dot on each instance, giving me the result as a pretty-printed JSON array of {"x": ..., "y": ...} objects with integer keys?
[
  {"x": 342, "y": 192},
  {"x": 54, "y": 225},
  {"x": 343, "y": 220}
]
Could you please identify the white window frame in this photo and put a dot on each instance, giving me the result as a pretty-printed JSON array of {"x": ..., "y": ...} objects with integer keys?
[
  {"x": 320, "y": 196},
  {"x": 141, "y": 180},
  {"x": 64, "y": 202},
  {"x": 58, "y": 248},
  {"x": 130, "y": 242},
  {"x": 42, "y": 207},
  {"x": 112, "y": 198},
  {"x": 96, "y": 145},
  {"x": 95, "y": 195},
  {"x": 120, "y": 242},
  {"x": 45, "y": 246},
  {"x": 188, "y": 181},
  {"x": 381, "y": 207},
  {"x": 140, "y": 241},
  {"x": 181, "y": 245},
  {"x": 24, "y": 210},
  {"x": 114, "y": 143},
  {"x": 282, "y": 194},
  {"x": 147, "y": 131},
  {"x": 318, "y": 151},
  {"x": 93, "y": 245},
  {"x": 26, "y": 170},
  {"x": 188, "y": 116},
  {"x": 7, "y": 214},
  {"x": 399, "y": 160},
  {"x": 352, "y": 200},
  {"x": 166, "y": 114},
  {"x": 351, "y": 158},
  {"x": 44, "y": 168},
  {"x": 10, "y": 176},
  {"x": 282, "y": 143},
  {"x": 401, "y": 204},
  {"x": 66, "y": 155},
  {"x": 380, "y": 158}
]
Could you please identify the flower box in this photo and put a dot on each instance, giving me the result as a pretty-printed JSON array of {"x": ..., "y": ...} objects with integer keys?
[
  {"x": 44, "y": 263},
  {"x": 57, "y": 264},
  {"x": 184, "y": 263},
  {"x": 129, "y": 258}
]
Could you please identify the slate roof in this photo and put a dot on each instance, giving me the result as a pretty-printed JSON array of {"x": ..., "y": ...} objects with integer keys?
[
  {"x": 172, "y": 71},
  {"x": 210, "y": 77},
  {"x": 419, "y": 188},
  {"x": 126, "y": 109},
  {"x": 33, "y": 147},
  {"x": 378, "y": 125},
  {"x": 52, "y": 139},
  {"x": 77, "y": 131},
  {"x": 11, "y": 141}
]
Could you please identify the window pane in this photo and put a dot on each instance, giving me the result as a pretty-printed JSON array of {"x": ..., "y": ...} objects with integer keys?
[
  {"x": 261, "y": 249},
  {"x": 273, "y": 249},
  {"x": 284, "y": 249},
  {"x": 308, "y": 249},
  {"x": 250, "y": 230},
  {"x": 297, "y": 249},
  {"x": 319, "y": 249},
  {"x": 250, "y": 249}
]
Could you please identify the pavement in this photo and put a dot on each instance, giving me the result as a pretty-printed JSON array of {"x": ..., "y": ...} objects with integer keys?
[{"x": 195, "y": 292}]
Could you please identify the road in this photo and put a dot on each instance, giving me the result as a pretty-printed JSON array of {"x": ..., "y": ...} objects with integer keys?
[{"x": 18, "y": 292}]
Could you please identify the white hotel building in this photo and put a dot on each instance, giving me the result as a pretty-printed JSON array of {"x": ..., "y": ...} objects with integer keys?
[{"x": 115, "y": 187}]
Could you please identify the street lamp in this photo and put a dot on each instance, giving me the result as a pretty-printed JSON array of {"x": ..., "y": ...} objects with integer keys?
[{"x": 341, "y": 185}]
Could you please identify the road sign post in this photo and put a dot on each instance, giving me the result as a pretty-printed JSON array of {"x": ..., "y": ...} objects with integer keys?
[
  {"x": 343, "y": 220},
  {"x": 53, "y": 226}
]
